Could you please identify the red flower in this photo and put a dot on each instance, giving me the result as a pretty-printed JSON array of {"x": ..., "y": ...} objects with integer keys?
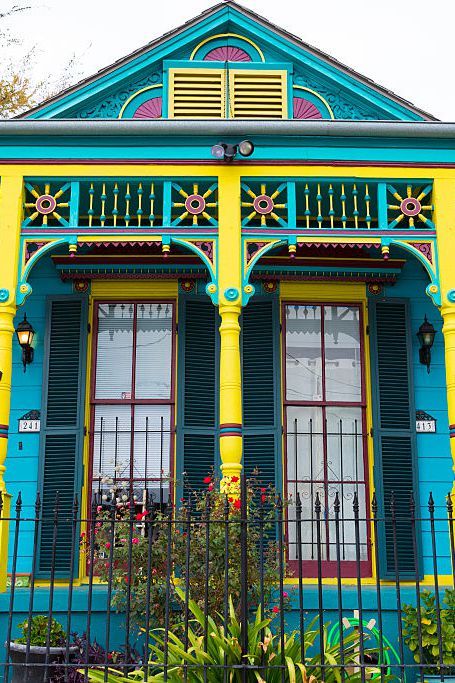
[
  {"x": 182, "y": 500},
  {"x": 140, "y": 516},
  {"x": 230, "y": 499},
  {"x": 82, "y": 534},
  {"x": 275, "y": 610},
  {"x": 237, "y": 504},
  {"x": 135, "y": 540},
  {"x": 108, "y": 545},
  {"x": 211, "y": 487},
  {"x": 207, "y": 480},
  {"x": 263, "y": 490},
  {"x": 234, "y": 480},
  {"x": 263, "y": 498}
]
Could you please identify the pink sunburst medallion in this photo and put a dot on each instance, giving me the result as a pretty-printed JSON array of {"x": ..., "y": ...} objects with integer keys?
[
  {"x": 151, "y": 109},
  {"x": 303, "y": 109},
  {"x": 227, "y": 53}
]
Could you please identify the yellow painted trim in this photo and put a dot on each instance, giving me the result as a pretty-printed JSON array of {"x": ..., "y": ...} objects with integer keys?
[
  {"x": 139, "y": 92},
  {"x": 137, "y": 289},
  {"x": 227, "y": 35},
  {"x": 316, "y": 94},
  {"x": 334, "y": 292},
  {"x": 337, "y": 239},
  {"x": 428, "y": 580},
  {"x": 213, "y": 170},
  {"x": 124, "y": 236}
]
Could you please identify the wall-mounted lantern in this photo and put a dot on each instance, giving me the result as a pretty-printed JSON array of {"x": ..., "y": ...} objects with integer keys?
[
  {"x": 226, "y": 152},
  {"x": 426, "y": 335},
  {"x": 25, "y": 334}
]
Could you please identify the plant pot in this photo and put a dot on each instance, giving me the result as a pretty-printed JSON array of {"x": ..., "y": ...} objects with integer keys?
[{"x": 36, "y": 656}]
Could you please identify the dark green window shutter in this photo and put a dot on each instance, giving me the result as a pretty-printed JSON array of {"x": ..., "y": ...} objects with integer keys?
[
  {"x": 197, "y": 418},
  {"x": 62, "y": 435},
  {"x": 394, "y": 429},
  {"x": 261, "y": 398}
]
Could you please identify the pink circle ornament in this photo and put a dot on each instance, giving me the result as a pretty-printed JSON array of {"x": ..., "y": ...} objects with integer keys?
[
  {"x": 263, "y": 204},
  {"x": 410, "y": 207},
  {"x": 151, "y": 109},
  {"x": 46, "y": 204},
  {"x": 304, "y": 109},
  {"x": 227, "y": 53},
  {"x": 195, "y": 204}
]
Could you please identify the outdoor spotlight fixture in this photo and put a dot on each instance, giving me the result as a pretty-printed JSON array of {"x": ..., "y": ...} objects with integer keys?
[
  {"x": 25, "y": 334},
  {"x": 426, "y": 335},
  {"x": 227, "y": 152}
]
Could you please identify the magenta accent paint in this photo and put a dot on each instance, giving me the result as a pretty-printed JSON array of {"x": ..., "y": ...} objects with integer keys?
[
  {"x": 195, "y": 204},
  {"x": 46, "y": 204},
  {"x": 151, "y": 109},
  {"x": 227, "y": 53},
  {"x": 263, "y": 204},
  {"x": 304, "y": 109},
  {"x": 410, "y": 206}
]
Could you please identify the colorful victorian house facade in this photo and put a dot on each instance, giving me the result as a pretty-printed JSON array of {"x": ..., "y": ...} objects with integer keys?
[{"x": 199, "y": 304}]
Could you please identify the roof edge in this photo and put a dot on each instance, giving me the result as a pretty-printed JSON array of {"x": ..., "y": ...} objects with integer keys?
[{"x": 215, "y": 127}]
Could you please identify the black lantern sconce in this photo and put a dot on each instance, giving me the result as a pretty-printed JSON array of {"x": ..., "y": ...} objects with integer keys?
[
  {"x": 226, "y": 152},
  {"x": 426, "y": 335},
  {"x": 25, "y": 334}
]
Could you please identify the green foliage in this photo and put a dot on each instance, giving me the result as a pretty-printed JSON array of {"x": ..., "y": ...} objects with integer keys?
[
  {"x": 266, "y": 656},
  {"x": 132, "y": 538},
  {"x": 39, "y": 630},
  {"x": 429, "y": 653}
]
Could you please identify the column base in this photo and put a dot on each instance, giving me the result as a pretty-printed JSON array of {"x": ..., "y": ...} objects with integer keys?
[{"x": 4, "y": 535}]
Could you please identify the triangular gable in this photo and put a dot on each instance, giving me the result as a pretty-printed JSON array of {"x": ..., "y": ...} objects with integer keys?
[{"x": 228, "y": 39}]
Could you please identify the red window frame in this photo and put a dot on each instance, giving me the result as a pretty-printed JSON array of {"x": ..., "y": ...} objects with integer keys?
[
  {"x": 131, "y": 401},
  {"x": 348, "y": 568}
]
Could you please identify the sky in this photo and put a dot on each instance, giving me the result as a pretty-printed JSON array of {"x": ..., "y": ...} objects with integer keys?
[{"x": 406, "y": 46}]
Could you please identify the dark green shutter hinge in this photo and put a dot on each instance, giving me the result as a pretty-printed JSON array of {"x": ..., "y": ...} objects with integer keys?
[
  {"x": 85, "y": 430},
  {"x": 281, "y": 328},
  {"x": 89, "y": 328},
  {"x": 371, "y": 432},
  {"x": 176, "y": 328},
  {"x": 367, "y": 330}
]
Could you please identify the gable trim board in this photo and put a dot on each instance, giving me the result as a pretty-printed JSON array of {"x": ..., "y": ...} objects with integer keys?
[{"x": 184, "y": 36}]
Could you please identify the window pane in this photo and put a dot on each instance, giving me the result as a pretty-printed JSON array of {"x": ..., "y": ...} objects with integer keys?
[
  {"x": 344, "y": 445},
  {"x": 303, "y": 353},
  {"x": 111, "y": 444},
  {"x": 308, "y": 524},
  {"x": 154, "y": 350},
  {"x": 114, "y": 351},
  {"x": 152, "y": 441},
  {"x": 342, "y": 353},
  {"x": 305, "y": 453}
]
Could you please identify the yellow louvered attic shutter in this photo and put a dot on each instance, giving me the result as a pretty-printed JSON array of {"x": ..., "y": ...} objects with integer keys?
[
  {"x": 197, "y": 93},
  {"x": 257, "y": 94}
]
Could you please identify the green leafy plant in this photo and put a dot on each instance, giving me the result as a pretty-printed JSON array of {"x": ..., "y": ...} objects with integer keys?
[
  {"x": 39, "y": 629},
  {"x": 206, "y": 658},
  {"x": 134, "y": 533},
  {"x": 428, "y": 652}
]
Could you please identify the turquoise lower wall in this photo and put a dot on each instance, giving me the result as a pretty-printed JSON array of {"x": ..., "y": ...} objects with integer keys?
[{"x": 434, "y": 460}]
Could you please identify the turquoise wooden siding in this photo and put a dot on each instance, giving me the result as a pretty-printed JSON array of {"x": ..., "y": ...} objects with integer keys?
[
  {"x": 261, "y": 394},
  {"x": 434, "y": 462},
  {"x": 62, "y": 426}
]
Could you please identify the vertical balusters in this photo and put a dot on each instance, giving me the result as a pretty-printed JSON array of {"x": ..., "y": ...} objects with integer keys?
[
  {"x": 343, "y": 206},
  {"x": 434, "y": 554},
  {"x": 140, "y": 193},
  {"x": 127, "y": 205},
  {"x": 319, "y": 200},
  {"x": 91, "y": 210},
  {"x": 451, "y": 534},
  {"x": 374, "y": 510},
  {"x": 103, "y": 206},
  {"x": 367, "y": 206},
  {"x": 152, "y": 204},
  {"x": 13, "y": 583},
  {"x": 355, "y": 213},
  {"x": 307, "y": 206},
  {"x": 115, "y": 209},
  {"x": 331, "y": 211}
]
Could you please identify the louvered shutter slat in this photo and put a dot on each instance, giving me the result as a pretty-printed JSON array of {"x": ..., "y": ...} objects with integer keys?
[
  {"x": 257, "y": 94},
  {"x": 395, "y": 441},
  {"x": 197, "y": 94},
  {"x": 61, "y": 438}
]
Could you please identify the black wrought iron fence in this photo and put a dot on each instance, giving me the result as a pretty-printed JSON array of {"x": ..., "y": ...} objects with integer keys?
[{"x": 229, "y": 583}]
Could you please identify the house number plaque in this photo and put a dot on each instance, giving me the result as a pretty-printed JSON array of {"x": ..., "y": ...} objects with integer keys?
[
  {"x": 30, "y": 422},
  {"x": 425, "y": 423}
]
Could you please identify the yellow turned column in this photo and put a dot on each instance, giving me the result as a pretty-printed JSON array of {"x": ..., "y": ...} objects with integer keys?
[
  {"x": 444, "y": 201},
  {"x": 230, "y": 307},
  {"x": 10, "y": 221}
]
